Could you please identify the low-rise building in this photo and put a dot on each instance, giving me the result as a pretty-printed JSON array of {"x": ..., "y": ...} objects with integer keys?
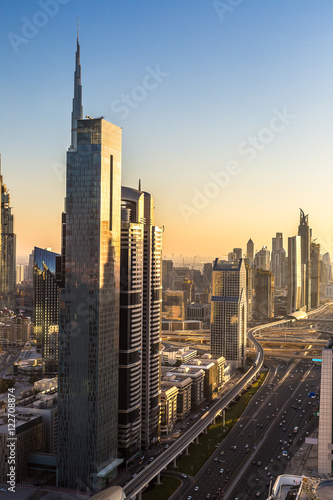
[
  {"x": 46, "y": 384},
  {"x": 184, "y": 393},
  {"x": 172, "y": 355},
  {"x": 213, "y": 368},
  {"x": 168, "y": 408},
  {"x": 197, "y": 376},
  {"x": 46, "y": 406}
]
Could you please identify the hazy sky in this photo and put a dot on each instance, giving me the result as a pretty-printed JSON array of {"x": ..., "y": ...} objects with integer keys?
[{"x": 226, "y": 110}]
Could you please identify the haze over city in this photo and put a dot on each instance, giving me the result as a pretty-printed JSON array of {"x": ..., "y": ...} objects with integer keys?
[{"x": 203, "y": 87}]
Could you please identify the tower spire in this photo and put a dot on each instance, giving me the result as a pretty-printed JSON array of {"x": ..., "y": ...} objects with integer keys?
[{"x": 77, "y": 111}]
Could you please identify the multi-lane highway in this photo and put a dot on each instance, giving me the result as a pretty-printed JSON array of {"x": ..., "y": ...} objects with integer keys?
[
  {"x": 279, "y": 443},
  {"x": 260, "y": 435}
]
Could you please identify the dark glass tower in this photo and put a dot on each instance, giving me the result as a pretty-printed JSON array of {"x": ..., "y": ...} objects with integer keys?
[
  {"x": 46, "y": 307},
  {"x": 89, "y": 306}
]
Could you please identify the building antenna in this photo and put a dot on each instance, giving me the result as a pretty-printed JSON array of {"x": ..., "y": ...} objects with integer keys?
[
  {"x": 77, "y": 29},
  {"x": 139, "y": 184}
]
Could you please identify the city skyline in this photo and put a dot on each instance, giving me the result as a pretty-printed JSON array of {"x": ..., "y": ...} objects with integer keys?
[{"x": 192, "y": 50}]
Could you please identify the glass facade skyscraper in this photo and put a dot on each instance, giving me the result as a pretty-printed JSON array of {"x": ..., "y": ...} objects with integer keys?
[
  {"x": 89, "y": 309},
  {"x": 46, "y": 307},
  {"x": 229, "y": 311}
]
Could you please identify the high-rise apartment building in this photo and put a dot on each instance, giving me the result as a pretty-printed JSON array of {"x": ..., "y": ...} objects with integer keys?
[
  {"x": 229, "y": 311},
  {"x": 294, "y": 274},
  {"x": 304, "y": 232},
  {"x": 140, "y": 324},
  {"x": 8, "y": 251},
  {"x": 151, "y": 329},
  {"x": 262, "y": 259},
  {"x": 89, "y": 304},
  {"x": 46, "y": 307},
  {"x": 278, "y": 261},
  {"x": 263, "y": 309},
  {"x": 130, "y": 332},
  {"x": 325, "y": 434}
]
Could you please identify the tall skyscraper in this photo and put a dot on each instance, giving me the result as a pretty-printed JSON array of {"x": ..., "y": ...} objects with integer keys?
[
  {"x": 77, "y": 110},
  {"x": 89, "y": 308},
  {"x": 46, "y": 307},
  {"x": 278, "y": 261},
  {"x": 167, "y": 269},
  {"x": 315, "y": 274},
  {"x": 151, "y": 330},
  {"x": 250, "y": 250},
  {"x": 130, "y": 332},
  {"x": 294, "y": 274},
  {"x": 140, "y": 320},
  {"x": 304, "y": 232},
  {"x": 207, "y": 274},
  {"x": 263, "y": 309},
  {"x": 249, "y": 289},
  {"x": 229, "y": 311},
  {"x": 262, "y": 259},
  {"x": 8, "y": 251}
]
